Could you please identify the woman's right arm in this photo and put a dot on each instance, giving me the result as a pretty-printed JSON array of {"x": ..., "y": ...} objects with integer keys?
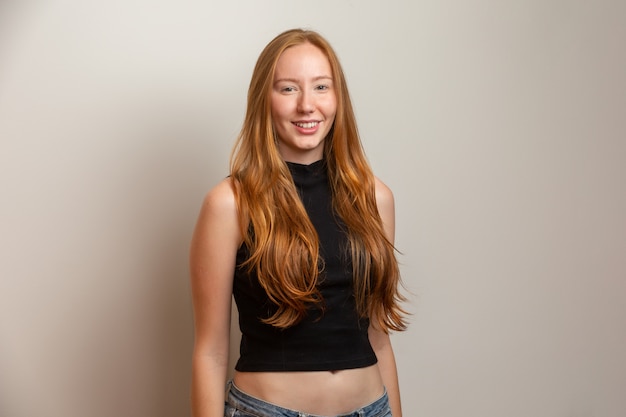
[{"x": 212, "y": 263}]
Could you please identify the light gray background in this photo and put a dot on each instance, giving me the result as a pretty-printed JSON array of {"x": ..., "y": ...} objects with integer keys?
[{"x": 500, "y": 126}]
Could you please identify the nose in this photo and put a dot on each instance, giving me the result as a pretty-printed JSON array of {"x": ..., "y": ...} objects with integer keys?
[{"x": 306, "y": 103}]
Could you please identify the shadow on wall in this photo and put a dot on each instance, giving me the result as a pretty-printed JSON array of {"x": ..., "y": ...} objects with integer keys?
[
  {"x": 168, "y": 173},
  {"x": 105, "y": 160},
  {"x": 106, "y": 328},
  {"x": 162, "y": 199}
]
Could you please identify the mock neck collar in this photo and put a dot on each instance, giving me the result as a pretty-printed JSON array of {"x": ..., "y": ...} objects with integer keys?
[{"x": 308, "y": 174}]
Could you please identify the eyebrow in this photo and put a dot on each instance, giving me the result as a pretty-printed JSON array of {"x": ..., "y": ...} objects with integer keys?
[{"x": 293, "y": 80}]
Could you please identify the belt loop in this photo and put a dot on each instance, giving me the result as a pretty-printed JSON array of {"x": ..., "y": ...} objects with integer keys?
[{"x": 229, "y": 385}]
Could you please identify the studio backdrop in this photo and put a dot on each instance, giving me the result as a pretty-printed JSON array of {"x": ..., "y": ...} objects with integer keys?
[{"x": 499, "y": 126}]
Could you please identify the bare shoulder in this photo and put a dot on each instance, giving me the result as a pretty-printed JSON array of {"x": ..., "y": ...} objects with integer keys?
[
  {"x": 219, "y": 215},
  {"x": 386, "y": 208},
  {"x": 222, "y": 197},
  {"x": 220, "y": 203},
  {"x": 384, "y": 195}
]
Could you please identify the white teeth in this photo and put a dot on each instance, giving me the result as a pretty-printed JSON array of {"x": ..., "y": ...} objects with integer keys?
[{"x": 308, "y": 125}]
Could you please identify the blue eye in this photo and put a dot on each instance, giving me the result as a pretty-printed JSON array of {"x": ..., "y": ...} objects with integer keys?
[{"x": 322, "y": 87}]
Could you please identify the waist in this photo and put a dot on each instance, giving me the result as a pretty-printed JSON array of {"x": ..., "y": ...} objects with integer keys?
[{"x": 318, "y": 392}]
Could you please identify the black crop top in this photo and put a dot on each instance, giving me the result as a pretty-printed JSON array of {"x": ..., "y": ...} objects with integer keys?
[{"x": 330, "y": 340}]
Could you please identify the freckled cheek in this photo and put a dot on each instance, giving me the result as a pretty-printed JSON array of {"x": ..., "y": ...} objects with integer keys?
[
  {"x": 277, "y": 116},
  {"x": 281, "y": 109},
  {"x": 330, "y": 104},
  {"x": 331, "y": 111}
]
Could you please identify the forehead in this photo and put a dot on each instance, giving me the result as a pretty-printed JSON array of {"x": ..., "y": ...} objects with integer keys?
[{"x": 302, "y": 61}]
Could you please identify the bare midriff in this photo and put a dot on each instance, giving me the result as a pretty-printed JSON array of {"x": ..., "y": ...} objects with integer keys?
[{"x": 324, "y": 393}]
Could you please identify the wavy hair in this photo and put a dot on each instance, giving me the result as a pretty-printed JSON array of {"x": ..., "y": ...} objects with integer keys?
[{"x": 283, "y": 244}]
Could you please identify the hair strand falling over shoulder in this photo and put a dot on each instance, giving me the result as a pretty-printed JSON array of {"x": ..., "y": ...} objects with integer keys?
[{"x": 283, "y": 243}]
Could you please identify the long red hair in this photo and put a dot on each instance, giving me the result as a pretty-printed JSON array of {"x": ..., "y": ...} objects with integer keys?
[{"x": 283, "y": 243}]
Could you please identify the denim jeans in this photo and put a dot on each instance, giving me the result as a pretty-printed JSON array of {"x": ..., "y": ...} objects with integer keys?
[{"x": 240, "y": 404}]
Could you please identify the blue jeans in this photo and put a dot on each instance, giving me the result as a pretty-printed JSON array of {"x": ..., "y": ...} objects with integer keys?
[{"x": 240, "y": 404}]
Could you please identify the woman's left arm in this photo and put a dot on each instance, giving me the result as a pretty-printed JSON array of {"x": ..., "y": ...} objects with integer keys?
[
  {"x": 379, "y": 339},
  {"x": 387, "y": 364}
]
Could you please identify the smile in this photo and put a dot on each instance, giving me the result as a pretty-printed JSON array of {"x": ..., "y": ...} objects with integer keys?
[{"x": 306, "y": 125}]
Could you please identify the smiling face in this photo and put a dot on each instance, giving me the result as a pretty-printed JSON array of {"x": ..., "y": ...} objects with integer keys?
[{"x": 303, "y": 102}]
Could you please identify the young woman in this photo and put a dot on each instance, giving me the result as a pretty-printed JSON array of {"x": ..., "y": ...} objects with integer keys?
[{"x": 301, "y": 234}]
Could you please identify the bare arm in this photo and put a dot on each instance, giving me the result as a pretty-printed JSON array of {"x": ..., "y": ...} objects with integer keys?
[
  {"x": 387, "y": 364},
  {"x": 212, "y": 263},
  {"x": 380, "y": 340}
]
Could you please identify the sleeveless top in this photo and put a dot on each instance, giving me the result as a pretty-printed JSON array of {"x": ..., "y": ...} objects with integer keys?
[{"x": 330, "y": 339}]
